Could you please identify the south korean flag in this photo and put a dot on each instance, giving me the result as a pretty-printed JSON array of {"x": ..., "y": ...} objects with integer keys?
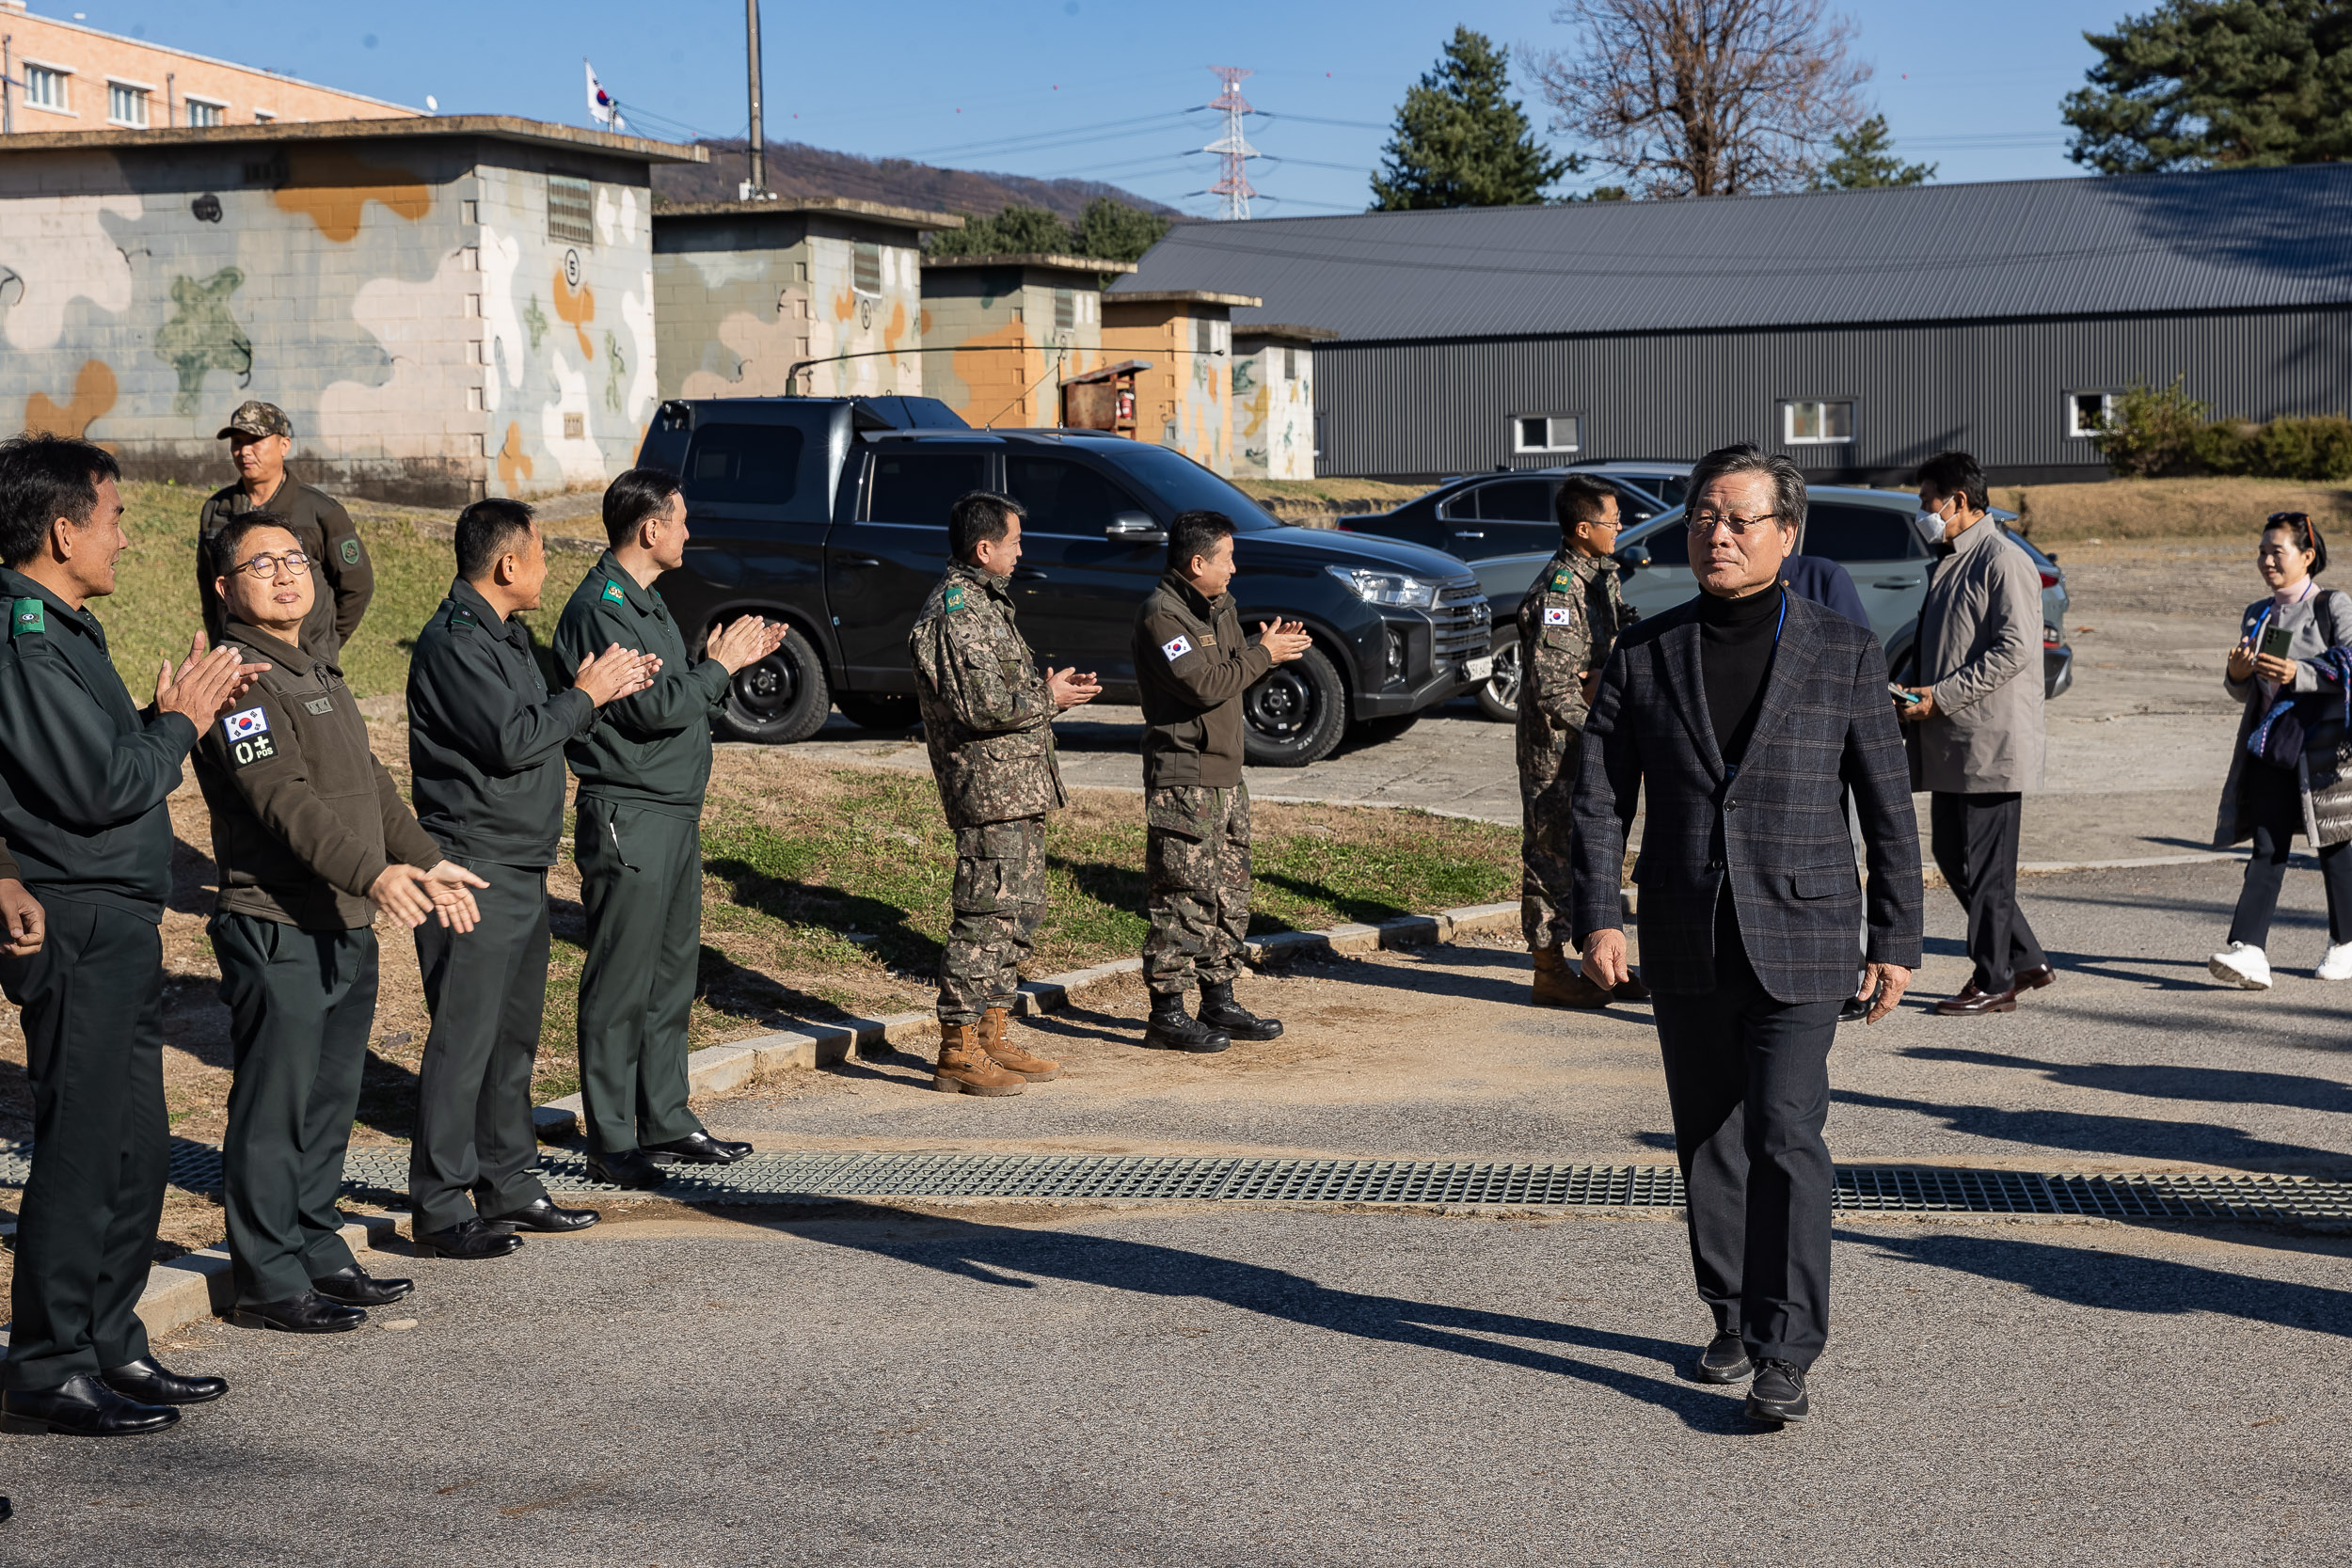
[
  {"x": 1559, "y": 615},
  {"x": 1176, "y": 648},
  {"x": 247, "y": 736}
]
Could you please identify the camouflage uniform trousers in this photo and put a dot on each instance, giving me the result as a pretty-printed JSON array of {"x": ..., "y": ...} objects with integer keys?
[
  {"x": 1547, "y": 911},
  {"x": 999, "y": 897},
  {"x": 1197, "y": 859}
]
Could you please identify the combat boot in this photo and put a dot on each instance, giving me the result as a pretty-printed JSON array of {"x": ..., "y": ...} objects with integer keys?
[
  {"x": 964, "y": 1068},
  {"x": 995, "y": 1025},
  {"x": 1171, "y": 1028},
  {"x": 1562, "y": 984},
  {"x": 1219, "y": 1010}
]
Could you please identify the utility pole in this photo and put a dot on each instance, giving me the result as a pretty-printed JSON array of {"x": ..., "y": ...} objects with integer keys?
[
  {"x": 756, "y": 187},
  {"x": 1233, "y": 182}
]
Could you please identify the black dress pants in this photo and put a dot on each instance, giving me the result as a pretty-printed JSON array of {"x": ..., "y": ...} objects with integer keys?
[
  {"x": 1975, "y": 842},
  {"x": 93, "y": 1020},
  {"x": 1748, "y": 1078},
  {"x": 2274, "y": 799}
]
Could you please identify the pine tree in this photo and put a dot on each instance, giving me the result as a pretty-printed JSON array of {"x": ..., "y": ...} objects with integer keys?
[
  {"x": 1461, "y": 140},
  {"x": 1866, "y": 158},
  {"x": 2195, "y": 83},
  {"x": 1116, "y": 231},
  {"x": 1014, "y": 232}
]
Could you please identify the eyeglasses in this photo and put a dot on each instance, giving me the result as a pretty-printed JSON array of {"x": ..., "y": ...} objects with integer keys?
[
  {"x": 268, "y": 565},
  {"x": 1702, "y": 524}
]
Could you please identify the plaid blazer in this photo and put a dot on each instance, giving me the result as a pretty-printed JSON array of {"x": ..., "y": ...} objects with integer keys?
[{"x": 1774, "y": 829}]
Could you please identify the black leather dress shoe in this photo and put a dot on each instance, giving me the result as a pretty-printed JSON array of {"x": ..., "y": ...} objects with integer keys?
[
  {"x": 307, "y": 1313},
  {"x": 1778, "y": 1393},
  {"x": 698, "y": 1148},
  {"x": 1971, "y": 1003},
  {"x": 80, "y": 1407},
  {"x": 1854, "y": 1009},
  {"x": 2035, "y": 979},
  {"x": 1724, "y": 1360},
  {"x": 541, "y": 1214},
  {"x": 355, "y": 1286},
  {"x": 147, "y": 1381},
  {"x": 1630, "y": 989},
  {"x": 467, "y": 1240},
  {"x": 626, "y": 1167}
]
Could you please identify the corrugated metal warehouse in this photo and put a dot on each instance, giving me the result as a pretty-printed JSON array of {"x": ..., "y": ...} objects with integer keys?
[{"x": 1858, "y": 331}]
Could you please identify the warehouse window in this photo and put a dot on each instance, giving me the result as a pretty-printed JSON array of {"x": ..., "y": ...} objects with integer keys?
[
  {"x": 44, "y": 87},
  {"x": 1812, "y": 423},
  {"x": 2087, "y": 413},
  {"x": 571, "y": 210},
  {"x": 202, "y": 112},
  {"x": 865, "y": 268},
  {"x": 1545, "y": 433},
  {"x": 126, "y": 105}
]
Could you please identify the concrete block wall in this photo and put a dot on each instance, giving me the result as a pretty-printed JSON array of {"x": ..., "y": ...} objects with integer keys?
[
  {"x": 1274, "y": 409},
  {"x": 992, "y": 350},
  {"x": 1185, "y": 399}
]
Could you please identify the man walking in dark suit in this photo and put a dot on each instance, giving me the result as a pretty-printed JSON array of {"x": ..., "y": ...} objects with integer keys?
[{"x": 1744, "y": 712}]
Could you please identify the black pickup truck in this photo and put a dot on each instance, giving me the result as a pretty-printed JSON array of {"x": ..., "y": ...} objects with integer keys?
[{"x": 831, "y": 514}]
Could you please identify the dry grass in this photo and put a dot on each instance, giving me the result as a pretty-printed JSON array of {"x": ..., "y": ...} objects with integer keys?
[
  {"x": 2166, "y": 508},
  {"x": 1326, "y": 497}
]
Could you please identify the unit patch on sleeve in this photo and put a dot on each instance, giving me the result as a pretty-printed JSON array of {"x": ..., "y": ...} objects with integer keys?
[
  {"x": 612, "y": 593},
  {"x": 351, "y": 552},
  {"x": 953, "y": 599},
  {"x": 1559, "y": 615},
  {"x": 1561, "y": 581},
  {"x": 1176, "y": 648},
  {"x": 248, "y": 738},
  {"x": 28, "y": 615}
]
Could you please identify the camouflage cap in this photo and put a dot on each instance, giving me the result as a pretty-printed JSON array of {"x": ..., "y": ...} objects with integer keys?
[{"x": 256, "y": 418}]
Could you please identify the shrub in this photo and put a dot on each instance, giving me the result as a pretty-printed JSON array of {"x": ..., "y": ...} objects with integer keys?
[
  {"x": 2153, "y": 433},
  {"x": 2162, "y": 433}
]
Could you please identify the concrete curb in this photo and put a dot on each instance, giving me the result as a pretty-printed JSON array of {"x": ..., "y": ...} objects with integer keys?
[{"x": 719, "y": 1067}]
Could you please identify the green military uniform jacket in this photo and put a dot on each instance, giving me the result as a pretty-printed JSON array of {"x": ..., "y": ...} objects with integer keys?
[
  {"x": 1193, "y": 664},
  {"x": 652, "y": 750},
  {"x": 340, "y": 569},
  {"x": 1568, "y": 623},
  {"x": 83, "y": 772},
  {"x": 987, "y": 714},
  {"x": 485, "y": 741},
  {"x": 303, "y": 818}
]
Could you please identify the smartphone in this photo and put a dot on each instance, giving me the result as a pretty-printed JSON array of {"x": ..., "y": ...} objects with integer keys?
[
  {"x": 1909, "y": 699},
  {"x": 2277, "y": 641}
]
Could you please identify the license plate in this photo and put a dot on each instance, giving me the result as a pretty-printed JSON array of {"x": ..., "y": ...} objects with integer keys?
[{"x": 1479, "y": 669}]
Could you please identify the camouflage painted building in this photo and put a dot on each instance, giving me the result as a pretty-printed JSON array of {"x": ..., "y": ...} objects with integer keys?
[
  {"x": 1001, "y": 332},
  {"x": 743, "y": 291},
  {"x": 1185, "y": 399},
  {"x": 446, "y": 306},
  {"x": 1274, "y": 400}
]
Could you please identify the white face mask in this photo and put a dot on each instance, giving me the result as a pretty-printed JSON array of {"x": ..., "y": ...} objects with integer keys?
[{"x": 1931, "y": 526}]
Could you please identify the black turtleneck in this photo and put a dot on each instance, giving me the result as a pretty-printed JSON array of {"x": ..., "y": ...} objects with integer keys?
[{"x": 1736, "y": 642}]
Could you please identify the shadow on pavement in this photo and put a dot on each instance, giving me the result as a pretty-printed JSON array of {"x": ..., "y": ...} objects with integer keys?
[
  {"x": 2129, "y": 1137},
  {"x": 2216, "y": 1085}
]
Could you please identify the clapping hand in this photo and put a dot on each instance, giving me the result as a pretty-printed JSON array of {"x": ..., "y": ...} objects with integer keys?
[
  {"x": 616, "y": 673},
  {"x": 410, "y": 895},
  {"x": 1068, "y": 687},
  {"x": 747, "y": 641},
  {"x": 205, "y": 683},
  {"x": 1284, "y": 640}
]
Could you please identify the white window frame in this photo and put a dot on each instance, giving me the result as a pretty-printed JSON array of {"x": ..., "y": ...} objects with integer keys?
[
  {"x": 142, "y": 91},
  {"x": 1552, "y": 433},
  {"x": 63, "y": 75},
  {"x": 1788, "y": 421},
  {"x": 2074, "y": 430},
  {"x": 218, "y": 108},
  {"x": 264, "y": 117}
]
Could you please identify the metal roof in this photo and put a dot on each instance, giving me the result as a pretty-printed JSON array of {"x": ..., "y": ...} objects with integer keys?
[{"x": 2212, "y": 241}]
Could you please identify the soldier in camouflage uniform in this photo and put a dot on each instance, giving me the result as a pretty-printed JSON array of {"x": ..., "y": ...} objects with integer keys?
[
  {"x": 1568, "y": 623},
  {"x": 988, "y": 716}
]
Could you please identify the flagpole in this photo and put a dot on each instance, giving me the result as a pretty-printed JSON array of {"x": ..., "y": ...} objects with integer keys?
[{"x": 759, "y": 156}]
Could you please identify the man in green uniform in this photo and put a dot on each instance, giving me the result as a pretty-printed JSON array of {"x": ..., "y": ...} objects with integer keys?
[
  {"x": 1194, "y": 664},
  {"x": 486, "y": 755},
  {"x": 1568, "y": 623},
  {"x": 637, "y": 839},
  {"x": 312, "y": 839},
  {"x": 988, "y": 716},
  {"x": 260, "y": 436},
  {"x": 84, "y": 776}
]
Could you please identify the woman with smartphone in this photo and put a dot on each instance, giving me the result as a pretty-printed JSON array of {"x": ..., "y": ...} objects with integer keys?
[{"x": 2291, "y": 771}]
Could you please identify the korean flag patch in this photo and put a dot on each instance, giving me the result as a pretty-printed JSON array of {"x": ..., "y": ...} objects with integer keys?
[
  {"x": 248, "y": 738},
  {"x": 1176, "y": 648},
  {"x": 1559, "y": 615}
]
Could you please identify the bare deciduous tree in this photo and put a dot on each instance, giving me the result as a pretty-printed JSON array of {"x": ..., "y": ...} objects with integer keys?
[{"x": 1705, "y": 97}]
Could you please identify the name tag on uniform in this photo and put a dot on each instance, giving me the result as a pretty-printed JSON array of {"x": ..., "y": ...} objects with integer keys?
[
  {"x": 1176, "y": 648},
  {"x": 1559, "y": 615},
  {"x": 319, "y": 705},
  {"x": 248, "y": 738},
  {"x": 1208, "y": 640}
]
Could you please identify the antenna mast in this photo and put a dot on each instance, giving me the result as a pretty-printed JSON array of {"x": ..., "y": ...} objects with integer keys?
[{"x": 1233, "y": 182}]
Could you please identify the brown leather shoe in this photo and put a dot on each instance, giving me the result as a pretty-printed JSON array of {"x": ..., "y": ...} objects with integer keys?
[
  {"x": 2034, "y": 980},
  {"x": 995, "y": 1024},
  {"x": 964, "y": 1068},
  {"x": 1972, "y": 1002},
  {"x": 1561, "y": 984}
]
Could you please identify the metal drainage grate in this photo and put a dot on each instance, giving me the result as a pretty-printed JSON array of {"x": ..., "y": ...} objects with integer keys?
[{"x": 780, "y": 1178}]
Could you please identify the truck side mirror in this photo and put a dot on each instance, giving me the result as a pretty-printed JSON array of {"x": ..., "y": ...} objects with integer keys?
[{"x": 1135, "y": 528}]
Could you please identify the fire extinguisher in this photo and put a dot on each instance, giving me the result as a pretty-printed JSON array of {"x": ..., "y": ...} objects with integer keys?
[{"x": 1127, "y": 405}]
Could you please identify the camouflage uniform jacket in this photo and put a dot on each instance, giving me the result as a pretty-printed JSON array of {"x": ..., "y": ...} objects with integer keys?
[
  {"x": 1569, "y": 621},
  {"x": 987, "y": 714}
]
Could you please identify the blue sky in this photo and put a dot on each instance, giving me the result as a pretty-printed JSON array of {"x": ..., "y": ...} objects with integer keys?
[{"x": 1099, "y": 89}]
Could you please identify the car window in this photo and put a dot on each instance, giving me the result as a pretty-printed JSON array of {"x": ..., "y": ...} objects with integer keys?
[
  {"x": 1860, "y": 533},
  {"x": 1516, "y": 500},
  {"x": 1065, "y": 497},
  {"x": 1671, "y": 488},
  {"x": 1184, "y": 485},
  {"x": 762, "y": 465},
  {"x": 920, "y": 486},
  {"x": 1634, "y": 507},
  {"x": 1461, "y": 506}
]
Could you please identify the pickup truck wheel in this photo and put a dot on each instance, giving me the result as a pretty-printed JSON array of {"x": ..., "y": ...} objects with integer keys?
[
  {"x": 781, "y": 699},
  {"x": 878, "y": 710},
  {"x": 1296, "y": 715},
  {"x": 1499, "y": 694}
]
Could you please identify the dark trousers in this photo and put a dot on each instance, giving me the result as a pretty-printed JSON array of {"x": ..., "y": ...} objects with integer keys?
[
  {"x": 2273, "y": 797},
  {"x": 488, "y": 990},
  {"x": 1974, "y": 841},
  {"x": 640, "y": 879},
  {"x": 301, "y": 1005},
  {"x": 93, "y": 1021},
  {"x": 1748, "y": 1078}
]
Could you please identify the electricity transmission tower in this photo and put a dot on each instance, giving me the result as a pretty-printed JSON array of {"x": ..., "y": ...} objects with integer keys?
[{"x": 1233, "y": 182}]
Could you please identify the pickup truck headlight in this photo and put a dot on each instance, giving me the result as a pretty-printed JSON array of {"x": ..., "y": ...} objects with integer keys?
[{"x": 1401, "y": 590}]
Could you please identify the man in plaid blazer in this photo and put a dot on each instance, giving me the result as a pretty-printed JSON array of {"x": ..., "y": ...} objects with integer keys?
[{"x": 1744, "y": 712}]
